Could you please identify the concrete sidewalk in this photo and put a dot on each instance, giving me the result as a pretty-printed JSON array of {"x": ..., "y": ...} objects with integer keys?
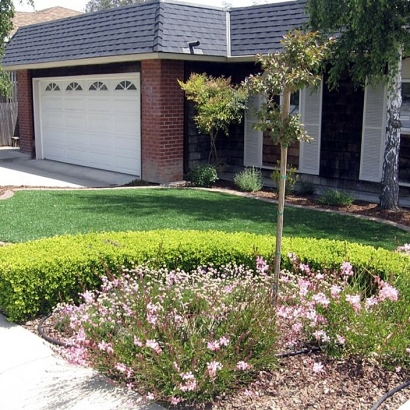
[
  {"x": 19, "y": 169},
  {"x": 33, "y": 377}
]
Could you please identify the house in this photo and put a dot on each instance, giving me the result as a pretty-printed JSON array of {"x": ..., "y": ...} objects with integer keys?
[
  {"x": 101, "y": 90},
  {"x": 25, "y": 18}
]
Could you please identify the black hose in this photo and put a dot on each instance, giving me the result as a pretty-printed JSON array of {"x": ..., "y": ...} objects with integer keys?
[
  {"x": 390, "y": 393},
  {"x": 48, "y": 338}
]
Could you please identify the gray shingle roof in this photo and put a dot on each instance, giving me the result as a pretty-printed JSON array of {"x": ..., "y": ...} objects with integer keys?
[
  {"x": 155, "y": 26},
  {"x": 259, "y": 29},
  {"x": 152, "y": 26}
]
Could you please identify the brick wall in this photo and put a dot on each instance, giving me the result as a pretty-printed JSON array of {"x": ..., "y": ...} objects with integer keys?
[
  {"x": 162, "y": 123},
  {"x": 25, "y": 118}
]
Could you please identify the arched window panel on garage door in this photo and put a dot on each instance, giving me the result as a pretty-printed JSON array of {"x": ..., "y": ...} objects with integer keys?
[
  {"x": 74, "y": 86},
  {"x": 98, "y": 86},
  {"x": 53, "y": 87},
  {"x": 126, "y": 85}
]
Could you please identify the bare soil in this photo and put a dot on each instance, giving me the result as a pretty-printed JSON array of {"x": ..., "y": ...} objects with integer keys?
[{"x": 349, "y": 384}]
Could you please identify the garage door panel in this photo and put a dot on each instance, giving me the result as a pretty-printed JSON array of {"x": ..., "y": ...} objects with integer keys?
[
  {"x": 53, "y": 120},
  {"x": 100, "y": 160},
  {"x": 125, "y": 125},
  {"x": 54, "y": 103},
  {"x": 75, "y": 104},
  {"x": 75, "y": 121},
  {"x": 125, "y": 105},
  {"x": 99, "y": 104},
  {"x": 77, "y": 156},
  {"x": 54, "y": 135},
  {"x": 77, "y": 139},
  {"x": 97, "y": 128},
  {"x": 124, "y": 145},
  {"x": 56, "y": 153},
  {"x": 99, "y": 123}
]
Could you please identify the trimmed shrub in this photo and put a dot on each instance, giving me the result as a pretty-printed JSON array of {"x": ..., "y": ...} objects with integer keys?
[
  {"x": 35, "y": 276},
  {"x": 249, "y": 180},
  {"x": 203, "y": 175},
  {"x": 335, "y": 197}
]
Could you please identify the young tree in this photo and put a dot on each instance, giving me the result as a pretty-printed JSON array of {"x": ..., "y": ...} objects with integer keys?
[
  {"x": 371, "y": 35},
  {"x": 218, "y": 102},
  {"x": 295, "y": 67},
  {"x": 96, "y": 5}
]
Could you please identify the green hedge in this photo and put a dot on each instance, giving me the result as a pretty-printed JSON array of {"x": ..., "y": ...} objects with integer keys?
[{"x": 35, "y": 276}]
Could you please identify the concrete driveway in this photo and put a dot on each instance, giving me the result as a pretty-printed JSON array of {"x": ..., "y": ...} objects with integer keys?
[{"x": 18, "y": 169}]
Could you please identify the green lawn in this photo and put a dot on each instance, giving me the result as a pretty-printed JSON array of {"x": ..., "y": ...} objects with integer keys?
[{"x": 31, "y": 215}]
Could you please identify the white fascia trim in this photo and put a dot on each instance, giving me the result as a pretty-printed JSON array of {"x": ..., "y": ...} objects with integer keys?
[{"x": 115, "y": 59}]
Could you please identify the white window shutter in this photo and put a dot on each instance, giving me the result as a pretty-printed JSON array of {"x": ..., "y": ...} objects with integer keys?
[
  {"x": 373, "y": 134},
  {"x": 253, "y": 141},
  {"x": 311, "y": 118}
]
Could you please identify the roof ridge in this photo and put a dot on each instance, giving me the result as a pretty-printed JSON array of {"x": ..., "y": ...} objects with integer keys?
[{"x": 158, "y": 29}]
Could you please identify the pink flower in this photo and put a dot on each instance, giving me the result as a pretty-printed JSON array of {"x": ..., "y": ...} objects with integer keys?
[
  {"x": 321, "y": 335},
  {"x": 121, "y": 367},
  {"x": 213, "y": 367},
  {"x": 321, "y": 299},
  {"x": 318, "y": 367},
  {"x": 175, "y": 400},
  {"x": 370, "y": 302},
  {"x": 138, "y": 342},
  {"x": 346, "y": 269},
  {"x": 335, "y": 291},
  {"x": 107, "y": 347},
  {"x": 213, "y": 345},
  {"x": 153, "y": 344},
  {"x": 88, "y": 296},
  {"x": 354, "y": 301},
  {"x": 261, "y": 265},
  {"x": 224, "y": 341},
  {"x": 340, "y": 339},
  {"x": 150, "y": 396},
  {"x": 190, "y": 382},
  {"x": 386, "y": 291},
  {"x": 241, "y": 365}
]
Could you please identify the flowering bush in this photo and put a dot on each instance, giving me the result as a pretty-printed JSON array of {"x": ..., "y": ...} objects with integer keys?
[
  {"x": 180, "y": 336},
  {"x": 177, "y": 336},
  {"x": 333, "y": 311}
]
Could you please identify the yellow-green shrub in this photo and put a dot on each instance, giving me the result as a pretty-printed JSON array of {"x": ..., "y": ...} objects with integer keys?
[{"x": 35, "y": 276}]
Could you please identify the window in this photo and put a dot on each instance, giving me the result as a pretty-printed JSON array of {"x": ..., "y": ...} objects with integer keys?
[
  {"x": 259, "y": 151},
  {"x": 125, "y": 85},
  {"x": 98, "y": 86},
  {"x": 74, "y": 87},
  {"x": 52, "y": 87}
]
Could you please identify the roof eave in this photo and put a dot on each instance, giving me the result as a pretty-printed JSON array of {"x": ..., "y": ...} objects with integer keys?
[{"x": 115, "y": 59}]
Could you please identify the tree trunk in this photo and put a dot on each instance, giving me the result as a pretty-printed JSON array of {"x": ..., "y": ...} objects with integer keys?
[
  {"x": 389, "y": 198},
  {"x": 281, "y": 200}
]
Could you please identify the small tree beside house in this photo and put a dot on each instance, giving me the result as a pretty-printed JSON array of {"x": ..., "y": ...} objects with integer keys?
[
  {"x": 295, "y": 67},
  {"x": 218, "y": 103}
]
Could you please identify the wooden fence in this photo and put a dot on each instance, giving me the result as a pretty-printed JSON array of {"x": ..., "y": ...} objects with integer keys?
[{"x": 8, "y": 114}]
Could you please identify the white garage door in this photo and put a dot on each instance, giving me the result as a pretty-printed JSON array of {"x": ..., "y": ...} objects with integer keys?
[{"x": 90, "y": 121}]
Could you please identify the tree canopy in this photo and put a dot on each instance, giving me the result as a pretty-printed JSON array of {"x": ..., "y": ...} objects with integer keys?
[
  {"x": 96, "y": 5},
  {"x": 6, "y": 15},
  {"x": 372, "y": 37},
  {"x": 370, "y": 34}
]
